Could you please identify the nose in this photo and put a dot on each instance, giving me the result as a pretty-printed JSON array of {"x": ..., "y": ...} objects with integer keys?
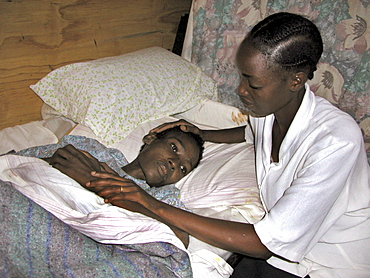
[
  {"x": 242, "y": 89},
  {"x": 173, "y": 162}
]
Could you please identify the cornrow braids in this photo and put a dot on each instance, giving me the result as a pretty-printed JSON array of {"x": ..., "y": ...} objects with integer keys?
[{"x": 288, "y": 40}]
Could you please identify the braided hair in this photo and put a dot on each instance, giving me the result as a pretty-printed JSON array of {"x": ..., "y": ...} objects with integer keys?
[{"x": 288, "y": 40}]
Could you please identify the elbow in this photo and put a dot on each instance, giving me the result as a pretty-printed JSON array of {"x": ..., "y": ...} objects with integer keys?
[
  {"x": 260, "y": 253},
  {"x": 265, "y": 255}
]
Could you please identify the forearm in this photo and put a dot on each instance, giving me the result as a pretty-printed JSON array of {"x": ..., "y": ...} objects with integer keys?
[
  {"x": 232, "y": 135},
  {"x": 228, "y": 235},
  {"x": 135, "y": 207}
]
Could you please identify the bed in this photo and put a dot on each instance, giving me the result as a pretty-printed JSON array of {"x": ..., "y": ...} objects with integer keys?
[
  {"x": 102, "y": 98},
  {"x": 220, "y": 191}
]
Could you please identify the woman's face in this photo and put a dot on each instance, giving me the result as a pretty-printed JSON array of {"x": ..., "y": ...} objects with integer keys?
[
  {"x": 261, "y": 90},
  {"x": 167, "y": 160}
]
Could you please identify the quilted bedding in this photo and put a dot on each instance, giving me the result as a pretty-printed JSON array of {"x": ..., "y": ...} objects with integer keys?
[{"x": 34, "y": 243}]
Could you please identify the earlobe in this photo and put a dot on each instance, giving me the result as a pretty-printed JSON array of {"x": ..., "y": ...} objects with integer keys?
[{"x": 298, "y": 81}]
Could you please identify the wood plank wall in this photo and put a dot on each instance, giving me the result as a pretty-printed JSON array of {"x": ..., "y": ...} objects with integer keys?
[{"x": 37, "y": 36}]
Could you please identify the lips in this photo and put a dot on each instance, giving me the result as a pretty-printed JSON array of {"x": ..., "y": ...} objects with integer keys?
[
  {"x": 162, "y": 169},
  {"x": 246, "y": 102}
]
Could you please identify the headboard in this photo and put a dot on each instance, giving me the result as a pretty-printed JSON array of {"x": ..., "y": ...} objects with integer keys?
[{"x": 41, "y": 35}]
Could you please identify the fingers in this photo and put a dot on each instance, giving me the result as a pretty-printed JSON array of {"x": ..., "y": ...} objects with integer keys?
[
  {"x": 64, "y": 154},
  {"x": 149, "y": 138},
  {"x": 71, "y": 157},
  {"x": 105, "y": 168},
  {"x": 165, "y": 126},
  {"x": 122, "y": 192},
  {"x": 105, "y": 175},
  {"x": 114, "y": 188},
  {"x": 105, "y": 179},
  {"x": 84, "y": 157}
]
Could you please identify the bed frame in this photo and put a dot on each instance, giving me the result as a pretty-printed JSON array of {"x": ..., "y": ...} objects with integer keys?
[{"x": 40, "y": 35}]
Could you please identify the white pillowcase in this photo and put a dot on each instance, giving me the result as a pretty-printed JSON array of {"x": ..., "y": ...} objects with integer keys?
[{"x": 114, "y": 95}]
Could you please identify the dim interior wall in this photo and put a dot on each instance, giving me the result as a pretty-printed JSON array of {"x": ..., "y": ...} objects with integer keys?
[{"x": 37, "y": 36}]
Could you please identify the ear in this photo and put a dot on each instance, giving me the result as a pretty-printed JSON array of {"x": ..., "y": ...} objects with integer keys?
[
  {"x": 298, "y": 81},
  {"x": 149, "y": 138}
]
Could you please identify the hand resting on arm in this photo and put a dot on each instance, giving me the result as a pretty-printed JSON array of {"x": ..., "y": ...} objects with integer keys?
[
  {"x": 229, "y": 136},
  {"x": 233, "y": 236},
  {"x": 79, "y": 165}
]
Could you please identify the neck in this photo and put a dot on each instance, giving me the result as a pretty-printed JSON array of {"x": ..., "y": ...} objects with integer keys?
[
  {"x": 282, "y": 122},
  {"x": 285, "y": 116}
]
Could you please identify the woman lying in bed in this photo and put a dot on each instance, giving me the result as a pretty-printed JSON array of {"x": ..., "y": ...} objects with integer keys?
[{"x": 163, "y": 160}]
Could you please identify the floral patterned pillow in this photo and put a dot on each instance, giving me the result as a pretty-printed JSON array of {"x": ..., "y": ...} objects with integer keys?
[{"x": 114, "y": 95}]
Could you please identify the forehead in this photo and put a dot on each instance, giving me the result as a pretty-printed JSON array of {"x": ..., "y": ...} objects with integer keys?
[
  {"x": 188, "y": 145},
  {"x": 185, "y": 139},
  {"x": 180, "y": 136},
  {"x": 252, "y": 62}
]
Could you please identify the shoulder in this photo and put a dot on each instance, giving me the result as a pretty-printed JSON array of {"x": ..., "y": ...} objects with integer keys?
[{"x": 334, "y": 122}]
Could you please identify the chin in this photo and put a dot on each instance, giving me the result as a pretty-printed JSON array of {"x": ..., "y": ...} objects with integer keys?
[
  {"x": 258, "y": 114},
  {"x": 251, "y": 112},
  {"x": 153, "y": 183}
]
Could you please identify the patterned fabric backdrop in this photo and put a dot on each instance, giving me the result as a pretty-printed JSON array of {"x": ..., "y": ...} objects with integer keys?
[{"x": 343, "y": 72}]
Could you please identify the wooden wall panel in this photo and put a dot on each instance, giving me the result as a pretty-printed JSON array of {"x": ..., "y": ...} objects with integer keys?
[{"x": 37, "y": 36}]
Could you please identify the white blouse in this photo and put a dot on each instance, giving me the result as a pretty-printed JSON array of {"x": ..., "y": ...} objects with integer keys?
[{"x": 317, "y": 196}]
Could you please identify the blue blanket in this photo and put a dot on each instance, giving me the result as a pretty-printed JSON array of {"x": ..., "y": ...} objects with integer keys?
[{"x": 33, "y": 243}]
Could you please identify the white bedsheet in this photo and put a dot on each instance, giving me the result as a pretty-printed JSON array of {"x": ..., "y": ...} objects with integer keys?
[
  {"x": 34, "y": 133},
  {"x": 80, "y": 208}
]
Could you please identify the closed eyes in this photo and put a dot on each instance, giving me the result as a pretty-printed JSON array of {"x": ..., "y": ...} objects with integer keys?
[
  {"x": 245, "y": 76},
  {"x": 253, "y": 87}
]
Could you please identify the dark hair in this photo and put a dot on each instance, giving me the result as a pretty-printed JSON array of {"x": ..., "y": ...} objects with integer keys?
[
  {"x": 288, "y": 40},
  {"x": 198, "y": 140}
]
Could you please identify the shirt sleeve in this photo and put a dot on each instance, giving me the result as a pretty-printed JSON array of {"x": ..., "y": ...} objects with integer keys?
[{"x": 249, "y": 135}]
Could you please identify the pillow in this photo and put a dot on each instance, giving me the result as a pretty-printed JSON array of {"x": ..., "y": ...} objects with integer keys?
[{"x": 113, "y": 95}]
